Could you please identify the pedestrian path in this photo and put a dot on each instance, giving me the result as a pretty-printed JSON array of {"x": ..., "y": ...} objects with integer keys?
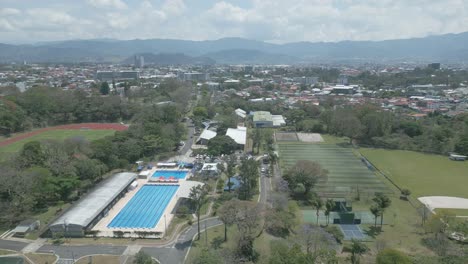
[{"x": 34, "y": 246}]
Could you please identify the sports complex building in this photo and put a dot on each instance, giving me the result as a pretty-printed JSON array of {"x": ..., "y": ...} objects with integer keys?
[{"x": 127, "y": 205}]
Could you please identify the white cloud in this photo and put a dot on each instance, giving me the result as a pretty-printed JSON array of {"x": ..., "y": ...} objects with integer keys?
[
  {"x": 9, "y": 12},
  {"x": 174, "y": 7},
  {"x": 271, "y": 20},
  {"x": 117, "y": 4},
  {"x": 5, "y": 25}
]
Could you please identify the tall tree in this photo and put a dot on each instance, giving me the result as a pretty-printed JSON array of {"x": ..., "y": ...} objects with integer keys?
[
  {"x": 376, "y": 212},
  {"x": 249, "y": 177},
  {"x": 227, "y": 214},
  {"x": 198, "y": 198},
  {"x": 317, "y": 203},
  {"x": 383, "y": 202},
  {"x": 231, "y": 161},
  {"x": 221, "y": 144},
  {"x": 329, "y": 205},
  {"x": 257, "y": 139},
  {"x": 31, "y": 155},
  {"x": 307, "y": 173},
  {"x": 104, "y": 89}
]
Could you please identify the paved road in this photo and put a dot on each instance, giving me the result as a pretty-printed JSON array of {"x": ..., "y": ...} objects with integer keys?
[
  {"x": 265, "y": 185},
  {"x": 12, "y": 245},
  {"x": 175, "y": 253},
  {"x": 76, "y": 252},
  {"x": 189, "y": 141}
]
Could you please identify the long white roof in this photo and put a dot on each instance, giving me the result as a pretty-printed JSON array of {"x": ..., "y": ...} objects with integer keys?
[{"x": 83, "y": 213}]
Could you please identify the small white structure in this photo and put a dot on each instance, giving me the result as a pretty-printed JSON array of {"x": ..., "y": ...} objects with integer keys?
[
  {"x": 210, "y": 169},
  {"x": 166, "y": 164},
  {"x": 457, "y": 157},
  {"x": 25, "y": 227},
  {"x": 144, "y": 174},
  {"x": 240, "y": 113},
  {"x": 447, "y": 202},
  {"x": 133, "y": 185}
]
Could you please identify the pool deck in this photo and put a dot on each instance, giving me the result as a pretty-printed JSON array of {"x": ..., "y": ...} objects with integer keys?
[{"x": 163, "y": 222}]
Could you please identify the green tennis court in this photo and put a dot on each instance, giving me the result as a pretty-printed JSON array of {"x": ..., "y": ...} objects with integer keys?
[
  {"x": 347, "y": 174},
  {"x": 310, "y": 216}
]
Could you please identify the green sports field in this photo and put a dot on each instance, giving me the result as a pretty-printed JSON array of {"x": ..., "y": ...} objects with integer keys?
[
  {"x": 60, "y": 134},
  {"x": 422, "y": 174},
  {"x": 347, "y": 173}
]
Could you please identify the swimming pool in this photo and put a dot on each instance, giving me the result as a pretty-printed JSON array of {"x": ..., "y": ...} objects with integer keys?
[
  {"x": 145, "y": 208},
  {"x": 178, "y": 174}
]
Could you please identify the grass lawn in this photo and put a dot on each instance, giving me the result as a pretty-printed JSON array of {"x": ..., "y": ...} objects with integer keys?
[
  {"x": 459, "y": 212},
  {"x": 41, "y": 258},
  {"x": 403, "y": 230},
  {"x": 58, "y": 135},
  {"x": 99, "y": 259},
  {"x": 422, "y": 174},
  {"x": 6, "y": 252},
  {"x": 329, "y": 139}
]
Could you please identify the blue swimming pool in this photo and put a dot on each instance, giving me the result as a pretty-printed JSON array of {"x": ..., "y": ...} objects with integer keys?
[
  {"x": 179, "y": 174},
  {"x": 145, "y": 208}
]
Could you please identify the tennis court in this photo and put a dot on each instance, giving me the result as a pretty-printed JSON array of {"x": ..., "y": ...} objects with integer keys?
[
  {"x": 145, "y": 208},
  {"x": 310, "y": 216},
  {"x": 352, "y": 232},
  {"x": 347, "y": 175}
]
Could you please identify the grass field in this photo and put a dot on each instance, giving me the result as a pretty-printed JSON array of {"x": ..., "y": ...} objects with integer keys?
[
  {"x": 422, "y": 174},
  {"x": 41, "y": 258},
  {"x": 347, "y": 173},
  {"x": 6, "y": 252},
  {"x": 99, "y": 259},
  {"x": 57, "y": 135}
]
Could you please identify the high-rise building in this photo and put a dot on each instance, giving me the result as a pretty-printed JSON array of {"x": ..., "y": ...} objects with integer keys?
[{"x": 139, "y": 61}]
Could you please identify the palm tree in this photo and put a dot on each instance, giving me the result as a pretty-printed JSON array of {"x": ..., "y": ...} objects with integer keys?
[
  {"x": 383, "y": 202},
  {"x": 375, "y": 210},
  {"x": 198, "y": 198},
  {"x": 329, "y": 205},
  {"x": 318, "y": 204}
]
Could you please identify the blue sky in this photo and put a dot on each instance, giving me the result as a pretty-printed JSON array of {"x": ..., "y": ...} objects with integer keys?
[{"x": 278, "y": 21}]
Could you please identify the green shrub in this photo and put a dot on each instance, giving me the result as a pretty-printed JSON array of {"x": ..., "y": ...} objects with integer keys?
[{"x": 336, "y": 232}]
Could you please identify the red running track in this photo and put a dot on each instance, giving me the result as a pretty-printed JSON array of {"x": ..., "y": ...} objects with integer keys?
[{"x": 91, "y": 126}]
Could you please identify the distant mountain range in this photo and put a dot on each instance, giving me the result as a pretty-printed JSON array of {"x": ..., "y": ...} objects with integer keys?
[{"x": 444, "y": 48}]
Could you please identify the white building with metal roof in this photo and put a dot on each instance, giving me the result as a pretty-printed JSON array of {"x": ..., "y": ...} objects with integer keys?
[
  {"x": 87, "y": 212},
  {"x": 239, "y": 134},
  {"x": 205, "y": 136}
]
